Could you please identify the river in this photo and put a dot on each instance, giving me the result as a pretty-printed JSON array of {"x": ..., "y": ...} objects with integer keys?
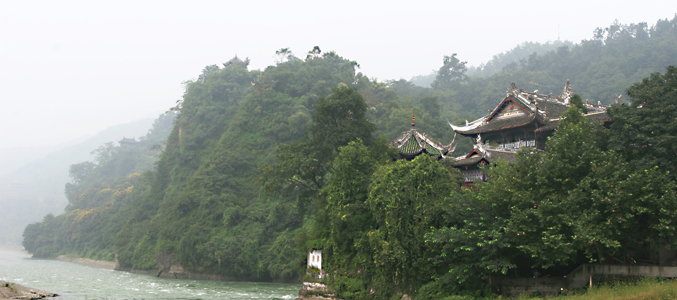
[{"x": 74, "y": 281}]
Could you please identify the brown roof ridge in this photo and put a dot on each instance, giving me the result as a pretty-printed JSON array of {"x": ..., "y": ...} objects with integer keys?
[
  {"x": 526, "y": 107},
  {"x": 588, "y": 114}
]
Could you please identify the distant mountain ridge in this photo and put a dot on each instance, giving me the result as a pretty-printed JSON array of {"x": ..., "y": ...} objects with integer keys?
[
  {"x": 14, "y": 158},
  {"x": 29, "y": 192}
]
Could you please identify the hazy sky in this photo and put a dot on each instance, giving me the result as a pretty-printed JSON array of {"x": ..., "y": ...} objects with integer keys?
[{"x": 71, "y": 68}]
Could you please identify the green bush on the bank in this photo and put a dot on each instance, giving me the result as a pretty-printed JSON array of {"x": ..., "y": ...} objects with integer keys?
[{"x": 644, "y": 289}]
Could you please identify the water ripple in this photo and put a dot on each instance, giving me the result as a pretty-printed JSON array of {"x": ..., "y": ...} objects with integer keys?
[{"x": 73, "y": 281}]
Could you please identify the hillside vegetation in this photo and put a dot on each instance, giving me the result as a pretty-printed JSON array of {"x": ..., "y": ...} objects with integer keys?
[
  {"x": 599, "y": 68},
  {"x": 36, "y": 187},
  {"x": 263, "y": 165}
]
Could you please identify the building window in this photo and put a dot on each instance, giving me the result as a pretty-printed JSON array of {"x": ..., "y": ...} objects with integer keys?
[{"x": 472, "y": 175}]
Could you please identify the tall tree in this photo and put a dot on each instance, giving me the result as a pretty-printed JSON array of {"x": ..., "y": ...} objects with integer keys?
[
  {"x": 406, "y": 199},
  {"x": 302, "y": 166},
  {"x": 645, "y": 131},
  {"x": 343, "y": 218},
  {"x": 578, "y": 101},
  {"x": 451, "y": 74},
  {"x": 282, "y": 55}
]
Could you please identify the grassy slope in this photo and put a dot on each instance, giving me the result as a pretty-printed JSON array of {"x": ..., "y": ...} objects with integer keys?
[{"x": 648, "y": 288}]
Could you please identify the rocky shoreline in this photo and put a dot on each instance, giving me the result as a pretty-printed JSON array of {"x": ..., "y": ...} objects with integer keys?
[
  {"x": 167, "y": 268},
  {"x": 10, "y": 290}
]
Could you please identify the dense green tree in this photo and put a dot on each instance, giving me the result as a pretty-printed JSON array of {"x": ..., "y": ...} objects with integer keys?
[
  {"x": 599, "y": 201},
  {"x": 406, "y": 199},
  {"x": 576, "y": 100},
  {"x": 205, "y": 205},
  {"x": 314, "y": 53},
  {"x": 304, "y": 164},
  {"x": 202, "y": 202},
  {"x": 645, "y": 131},
  {"x": 343, "y": 217},
  {"x": 570, "y": 204},
  {"x": 576, "y": 210},
  {"x": 284, "y": 54},
  {"x": 451, "y": 74},
  {"x": 98, "y": 198},
  {"x": 472, "y": 243},
  {"x": 79, "y": 172}
]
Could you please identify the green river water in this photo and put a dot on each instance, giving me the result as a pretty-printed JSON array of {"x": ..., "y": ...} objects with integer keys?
[{"x": 74, "y": 281}]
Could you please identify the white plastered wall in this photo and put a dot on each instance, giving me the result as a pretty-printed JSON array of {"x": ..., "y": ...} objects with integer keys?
[{"x": 315, "y": 259}]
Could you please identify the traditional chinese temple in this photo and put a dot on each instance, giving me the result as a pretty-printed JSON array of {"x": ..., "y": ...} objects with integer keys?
[
  {"x": 126, "y": 141},
  {"x": 521, "y": 119}
]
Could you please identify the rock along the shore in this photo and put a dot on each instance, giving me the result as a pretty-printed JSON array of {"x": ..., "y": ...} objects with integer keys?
[{"x": 10, "y": 290}]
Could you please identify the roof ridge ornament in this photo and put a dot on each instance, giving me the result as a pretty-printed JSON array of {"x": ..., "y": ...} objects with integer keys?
[
  {"x": 479, "y": 145},
  {"x": 566, "y": 93},
  {"x": 511, "y": 90},
  {"x": 451, "y": 147}
]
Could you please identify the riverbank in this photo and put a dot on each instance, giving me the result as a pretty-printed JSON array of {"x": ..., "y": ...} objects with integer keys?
[
  {"x": 10, "y": 290},
  {"x": 83, "y": 261},
  {"x": 88, "y": 262},
  {"x": 77, "y": 281},
  {"x": 168, "y": 267}
]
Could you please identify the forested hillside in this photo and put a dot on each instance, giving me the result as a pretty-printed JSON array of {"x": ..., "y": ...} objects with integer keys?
[
  {"x": 36, "y": 187},
  {"x": 499, "y": 61},
  {"x": 263, "y": 165},
  {"x": 96, "y": 193},
  {"x": 204, "y": 202},
  {"x": 599, "y": 68}
]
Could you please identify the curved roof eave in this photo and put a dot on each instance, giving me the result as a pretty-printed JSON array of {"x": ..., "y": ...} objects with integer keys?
[{"x": 470, "y": 126}]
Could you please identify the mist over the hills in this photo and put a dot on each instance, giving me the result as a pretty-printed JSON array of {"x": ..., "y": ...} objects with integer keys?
[
  {"x": 35, "y": 186},
  {"x": 74, "y": 67}
]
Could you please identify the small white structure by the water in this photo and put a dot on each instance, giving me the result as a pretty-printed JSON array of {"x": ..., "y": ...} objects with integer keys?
[{"x": 315, "y": 259}]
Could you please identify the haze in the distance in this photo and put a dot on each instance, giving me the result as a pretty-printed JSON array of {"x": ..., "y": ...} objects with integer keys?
[{"x": 72, "y": 68}]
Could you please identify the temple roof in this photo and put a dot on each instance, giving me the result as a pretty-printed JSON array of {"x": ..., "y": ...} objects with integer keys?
[
  {"x": 486, "y": 153},
  {"x": 520, "y": 108},
  {"x": 412, "y": 143},
  {"x": 600, "y": 116},
  {"x": 128, "y": 141},
  {"x": 507, "y": 155},
  {"x": 232, "y": 61},
  {"x": 499, "y": 124},
  {"x": 467, "y": 161}
]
